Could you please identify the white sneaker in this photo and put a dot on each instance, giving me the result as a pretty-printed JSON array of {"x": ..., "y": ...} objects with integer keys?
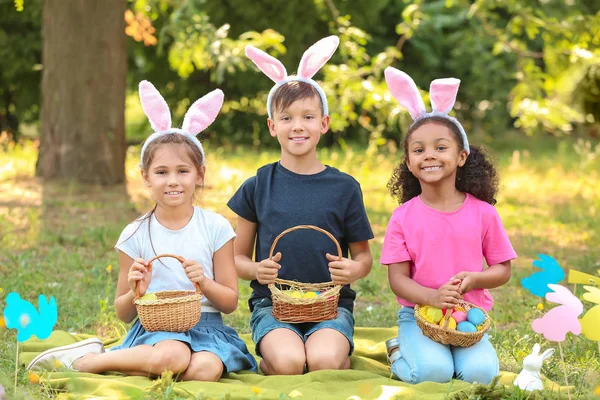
[{"x": 64, "y": 356}]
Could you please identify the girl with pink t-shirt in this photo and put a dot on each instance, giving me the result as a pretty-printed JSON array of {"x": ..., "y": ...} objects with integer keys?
[{"x": 437, "y": 240}]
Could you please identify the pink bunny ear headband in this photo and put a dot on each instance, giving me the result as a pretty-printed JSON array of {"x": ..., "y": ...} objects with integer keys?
[
  {"x": 312, "y": 61},
  {"x": 198, "y": 117},
  {"x": 442, "y": 94}
]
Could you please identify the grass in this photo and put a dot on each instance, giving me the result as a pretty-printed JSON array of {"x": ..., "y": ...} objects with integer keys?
[{"x": 56, "y": 238}]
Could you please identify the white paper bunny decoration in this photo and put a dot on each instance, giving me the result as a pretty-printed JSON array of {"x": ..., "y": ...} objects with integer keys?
[{"x": 529, "y": 378}]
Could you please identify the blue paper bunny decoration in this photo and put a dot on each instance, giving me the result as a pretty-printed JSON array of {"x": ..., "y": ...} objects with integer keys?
[
  {"x": 551, "y": 272},
  {"x": 21, "y": 315}
]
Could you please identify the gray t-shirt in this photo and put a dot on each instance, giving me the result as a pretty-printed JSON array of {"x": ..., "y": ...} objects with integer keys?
[{"x": 277, "y": 199}]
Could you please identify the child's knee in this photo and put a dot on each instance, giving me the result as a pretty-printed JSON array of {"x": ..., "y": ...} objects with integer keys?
[
  {"x": 285, "y": 363},
  {"x": 204, "y": 369},
  {"x": 480, "y": 373},
  {"x": 430, "y": 370},
  {"x": 174, "y": 360},
  {"x": 317, "y": 361}
]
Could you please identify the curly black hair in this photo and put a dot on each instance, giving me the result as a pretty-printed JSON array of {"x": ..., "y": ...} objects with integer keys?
[{"x": 477, "y": 177}]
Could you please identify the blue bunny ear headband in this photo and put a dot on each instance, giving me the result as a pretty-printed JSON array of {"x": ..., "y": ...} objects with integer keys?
[
  {"x": 312, "y": 61},
  {"x": 198, "y": 117},
  {"x": 442, "y": 94}
]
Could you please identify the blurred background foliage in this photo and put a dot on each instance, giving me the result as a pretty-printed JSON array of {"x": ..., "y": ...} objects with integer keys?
[{"x": 524, "y": 64}]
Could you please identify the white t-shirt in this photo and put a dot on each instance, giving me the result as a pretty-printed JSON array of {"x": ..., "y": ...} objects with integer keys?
[{"x": 206, "y": 233}]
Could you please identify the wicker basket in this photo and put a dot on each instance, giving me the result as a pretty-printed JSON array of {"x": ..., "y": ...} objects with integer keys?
[
  {"x": 443, "y": 335},
  {"x": 173, "y": 311},
  {"x": 296, "y": 310}
]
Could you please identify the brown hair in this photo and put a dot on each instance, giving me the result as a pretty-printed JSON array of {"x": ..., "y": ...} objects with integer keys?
[
  {"x": 290, "y": 92},
  {"x": 191, "y": 150}
]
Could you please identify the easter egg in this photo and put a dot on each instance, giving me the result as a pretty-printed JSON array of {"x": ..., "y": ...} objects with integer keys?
[
  {"x": 293, "y": 293},
  {"x": 149, "y": 296},
  {"x": 466, "y": 326},
  {"x": 434, "y": 314},
  {"x": 475, "y": 316},
  {"x": 451, "y": 323},
  {"x": 460, "y": 308},
  {"x": 459, "y": 316},
  {"x": 309, "y": 295},
  {"x": 423, "y": 313}
]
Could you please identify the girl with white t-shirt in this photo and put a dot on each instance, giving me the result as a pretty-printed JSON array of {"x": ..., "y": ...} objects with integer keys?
[{"x": 172, "y": 167}]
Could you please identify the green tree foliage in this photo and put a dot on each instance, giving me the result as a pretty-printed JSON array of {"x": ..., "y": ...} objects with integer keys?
[
  {"x": 557, "y": 45},
  {"x": 524, "y": 63},
  {"x": 20, "y": 64}
]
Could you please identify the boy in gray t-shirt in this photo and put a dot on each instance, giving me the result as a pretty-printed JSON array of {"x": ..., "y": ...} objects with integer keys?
[{"x": 300, "y": 190}]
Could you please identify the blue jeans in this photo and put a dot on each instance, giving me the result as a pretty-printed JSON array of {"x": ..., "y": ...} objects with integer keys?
[{"x": 422, "y": 359}]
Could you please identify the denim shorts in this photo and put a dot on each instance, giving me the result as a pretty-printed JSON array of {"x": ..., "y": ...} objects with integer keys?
[
  {"x": 210, "y": 334},
  {"x": 262, "y": 322}
]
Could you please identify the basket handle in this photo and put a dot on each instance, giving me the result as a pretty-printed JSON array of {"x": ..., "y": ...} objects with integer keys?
[
  {"x": 294, "y": 228},
  {"x": 149, "y": 267},
  {"x": 447, "y": 318},
  {"x": 316, "y": 228}
]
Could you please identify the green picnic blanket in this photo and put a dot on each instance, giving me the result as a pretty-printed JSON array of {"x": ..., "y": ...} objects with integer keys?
[{"x": 368, "y": 378}]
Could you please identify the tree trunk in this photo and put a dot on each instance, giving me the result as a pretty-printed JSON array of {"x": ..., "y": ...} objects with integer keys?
[{"x": 82, "y": 118}]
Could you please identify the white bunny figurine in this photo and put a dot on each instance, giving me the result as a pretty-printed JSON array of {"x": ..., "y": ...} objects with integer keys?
[{"x": 529, "y": 378}]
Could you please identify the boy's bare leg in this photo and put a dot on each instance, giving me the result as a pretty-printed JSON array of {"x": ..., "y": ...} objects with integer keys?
[
  {"x": 145, "y": 360},
  {"x": 283, "y": 353},
  {"x": 327, "y": 349}
]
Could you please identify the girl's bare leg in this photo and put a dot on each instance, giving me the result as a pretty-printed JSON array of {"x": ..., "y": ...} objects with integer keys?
[
  {"x": 145, "y": 360},
  {"x": 204, "y": 366}
]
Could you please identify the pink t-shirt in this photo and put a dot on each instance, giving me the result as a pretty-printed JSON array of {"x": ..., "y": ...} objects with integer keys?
[{"x": 441, "y": 244}]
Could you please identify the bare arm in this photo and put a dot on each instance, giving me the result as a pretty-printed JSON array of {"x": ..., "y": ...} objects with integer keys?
[
  {"x": 243, "y": 249},
  {"x": 361, "y": 253},
  {"x": 124, "y": 306},
  {"x": 494, "y": 276},
  {"x": 223, "y": 291},
  {"x": 404, "y": 286},
  {"x": 346, "y": 270}
]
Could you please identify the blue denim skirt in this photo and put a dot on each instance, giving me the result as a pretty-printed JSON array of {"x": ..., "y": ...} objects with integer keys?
[{"x": 209, "y": 334}]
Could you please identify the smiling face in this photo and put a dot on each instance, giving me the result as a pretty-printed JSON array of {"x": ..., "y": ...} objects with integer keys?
[
  {"x": 172, "y": 176},
  {"x": 434, "y": 154},
  {"x": 299, "y": 127}
]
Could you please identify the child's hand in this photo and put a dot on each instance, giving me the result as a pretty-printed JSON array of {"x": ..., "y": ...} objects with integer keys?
[
  {"x": 268, "y": 269},
  {"x": 194, "y": 271},
  {"x": 447, "y": 296},
  {"x": 467, "y": 281},
  {"x": 139, "y": 273},
  {"x": 344, "y": 271}
]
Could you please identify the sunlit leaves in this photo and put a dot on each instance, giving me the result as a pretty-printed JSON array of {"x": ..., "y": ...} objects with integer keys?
[{"x": 139, "y": 27}]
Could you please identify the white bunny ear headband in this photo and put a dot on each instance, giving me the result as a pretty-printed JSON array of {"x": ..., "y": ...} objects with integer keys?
[
  {"x": 312, "y": 61},
  {"x": 442, "y": 94},
  {"x": 197, "y": 118}
]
